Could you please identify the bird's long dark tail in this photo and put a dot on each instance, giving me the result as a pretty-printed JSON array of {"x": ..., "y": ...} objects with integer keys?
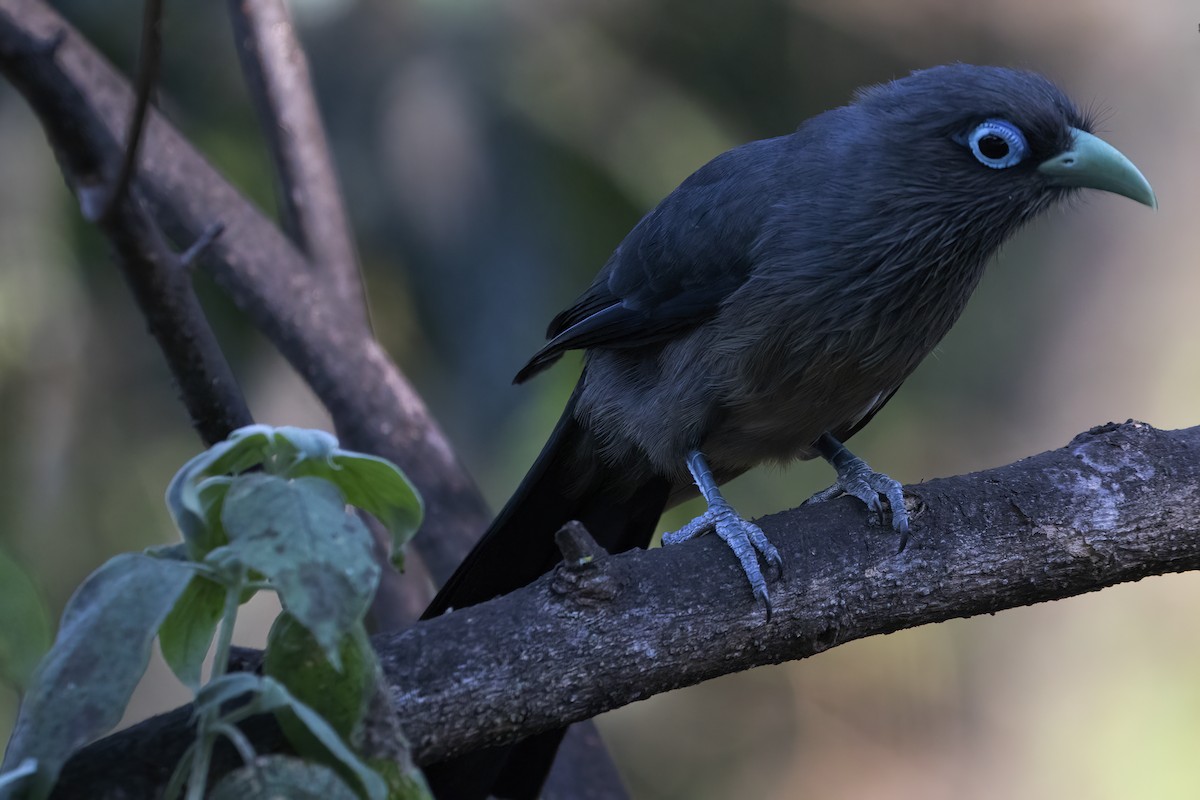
[{"x": 567, "y": 482}]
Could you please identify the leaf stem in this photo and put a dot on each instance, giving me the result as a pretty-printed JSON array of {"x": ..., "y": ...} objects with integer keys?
[
  {"x": 206, "y": 726},
  {"x": 238, "y": 739},
  {"x": 178, "y": 776}
]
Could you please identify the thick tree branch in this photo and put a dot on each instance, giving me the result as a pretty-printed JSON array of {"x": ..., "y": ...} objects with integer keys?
[
  {"x": 278, "y": 79},
  {"x": 84, "y": 105},
  {"x": 1119, "y": 503}
]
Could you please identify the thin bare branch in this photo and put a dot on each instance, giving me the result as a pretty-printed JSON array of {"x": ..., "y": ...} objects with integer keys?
[
  {"x": 202, "y": 243},
  {"x": 277, "y": 76},
  {"x": 1119, "y": 503},
  {"x": 149, "y": 58}
]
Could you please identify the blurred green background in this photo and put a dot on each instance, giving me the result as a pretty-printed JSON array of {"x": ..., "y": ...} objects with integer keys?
[{"x": 492, "y": 156}]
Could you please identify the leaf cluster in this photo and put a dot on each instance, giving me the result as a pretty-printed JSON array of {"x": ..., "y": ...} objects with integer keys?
[{"x": 273, "y": 509}]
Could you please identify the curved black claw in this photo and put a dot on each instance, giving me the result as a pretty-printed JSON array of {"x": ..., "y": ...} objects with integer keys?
[
  {"x": 745, "y": 539},
  {"x": 859, "y": 480}
]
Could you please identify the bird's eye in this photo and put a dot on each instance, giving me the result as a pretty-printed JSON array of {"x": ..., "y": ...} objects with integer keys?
[{"x": 997, "y": 144}]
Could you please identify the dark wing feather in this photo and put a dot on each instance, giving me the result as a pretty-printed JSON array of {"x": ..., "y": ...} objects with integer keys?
[
  {"x": 844, "y": 433},
  {"x": 677, "y": 265}
]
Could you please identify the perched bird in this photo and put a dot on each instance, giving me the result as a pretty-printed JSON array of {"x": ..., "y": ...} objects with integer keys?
[{"x": 765, "y": 311}]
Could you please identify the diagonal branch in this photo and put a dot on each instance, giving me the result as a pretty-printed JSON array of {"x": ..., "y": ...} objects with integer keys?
[
  {"x": 84, "y": 106},
  {"x": 313, "y": 212},
  {"x": 162, "y": 287},
  {"x": 1119, "y": 503}
]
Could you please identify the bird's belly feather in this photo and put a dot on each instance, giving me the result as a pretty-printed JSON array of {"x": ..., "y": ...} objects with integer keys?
[{"x": 744, "y": 393}]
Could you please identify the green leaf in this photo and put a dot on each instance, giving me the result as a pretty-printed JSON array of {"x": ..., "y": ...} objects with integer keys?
[
  {"x": 25, "y": 629},
  {"x": 82, "y": 686},
  {"x": 231, "y": 686},
  {"x": 371, "y": 783},
  {"x": 318, "y": 557},
  {"x": 187, "y": 632},
  {"x": 378, "y": 487},
  {"x": 340, "y": 698},
  {"x": 190, "y": 508},
  {"x": 372, "y": 484},
  {"x": 247, "y": 447},
  {"x": 403, "y": 783},
  {"x": 303, "y": 444},
  {"x": 211, "y": 495},
  {"x": 183, "y": 500},
  {"x": 183, "y": 503},
  {"x": 276, "y": 776},
  {"x": 339, "y": 695},
  {"x": 271, "y": 695},
  {"x": 171, "y": 552}
]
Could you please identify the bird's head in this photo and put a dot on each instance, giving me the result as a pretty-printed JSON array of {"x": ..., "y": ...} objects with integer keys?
[{"x": 986, "y": 139}]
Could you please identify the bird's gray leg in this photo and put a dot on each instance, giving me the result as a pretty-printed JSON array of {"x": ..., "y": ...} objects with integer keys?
[
  {"x": 855, "y": 478},
  {"x": 743, "y": 537}
]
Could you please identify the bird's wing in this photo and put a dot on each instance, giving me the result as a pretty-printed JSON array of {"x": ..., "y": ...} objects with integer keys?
[
  {"x": 676, "y": 266},
  {"x": 843, "y": 433}
]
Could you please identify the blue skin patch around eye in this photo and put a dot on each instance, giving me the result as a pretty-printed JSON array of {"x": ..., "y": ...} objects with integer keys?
[{"x": 997, "y": 144}]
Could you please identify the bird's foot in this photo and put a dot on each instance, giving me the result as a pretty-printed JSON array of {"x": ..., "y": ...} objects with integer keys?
[
  {"x": 857, "y": 479},
  {"x": 745, "y": 539}
]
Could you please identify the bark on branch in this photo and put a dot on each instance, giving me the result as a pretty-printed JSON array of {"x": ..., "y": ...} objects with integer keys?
[{"x": 1119, "y": 503}]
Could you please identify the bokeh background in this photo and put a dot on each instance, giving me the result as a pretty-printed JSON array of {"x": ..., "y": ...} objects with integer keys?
[{"x": 493, "y": 154}]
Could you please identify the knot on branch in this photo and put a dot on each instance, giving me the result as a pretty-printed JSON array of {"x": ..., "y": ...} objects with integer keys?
[
  {"x": 48, "y": 47},
  {"x": 581, "y": 576},
  {"x": 1114, "y": 453},
  {"x": 1130, "y": 426}
]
